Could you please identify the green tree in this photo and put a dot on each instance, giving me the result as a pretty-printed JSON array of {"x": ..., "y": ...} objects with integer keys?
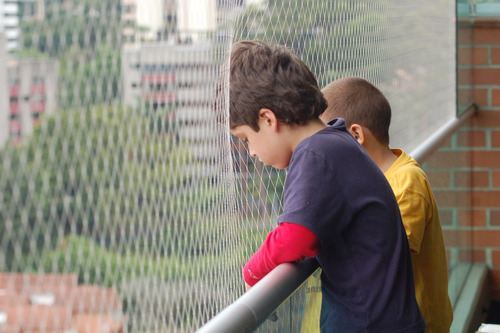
[
  {"x": 103, "y": 174},
  {"x": 332, "y": 37},
  {"x": 86, "y": 37}
]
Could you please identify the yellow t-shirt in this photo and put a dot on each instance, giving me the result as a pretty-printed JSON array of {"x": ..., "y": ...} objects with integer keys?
[
  {"x": 423, "y": 228},
  {"x": 312, "y": 305}
]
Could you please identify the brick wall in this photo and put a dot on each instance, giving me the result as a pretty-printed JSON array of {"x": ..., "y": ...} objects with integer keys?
[{"x": 465, "y": 172}]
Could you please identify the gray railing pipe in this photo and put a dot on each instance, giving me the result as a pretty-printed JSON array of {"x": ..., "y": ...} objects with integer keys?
[
  {"x": 257, "y": 304},
  {"x": 429, "y": 146}
]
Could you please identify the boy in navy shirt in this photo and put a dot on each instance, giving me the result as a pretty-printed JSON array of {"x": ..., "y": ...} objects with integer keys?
[{"x": 338, "y": 206}]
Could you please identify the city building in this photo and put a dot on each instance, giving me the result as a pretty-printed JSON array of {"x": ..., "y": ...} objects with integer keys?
[
  {"x": 32, "y": 9},
  {"x": 168, "y": 20},
  {"x": 9, "y": 23},
  {"x": 143, "y": 21},
  {"x": 196, "y": 19},
  {"x": 4, "y": 100},
  {"x": 56, "y": 303},
  {"x": 176, "y": 80},
  {"x": 32, "y": 91}
]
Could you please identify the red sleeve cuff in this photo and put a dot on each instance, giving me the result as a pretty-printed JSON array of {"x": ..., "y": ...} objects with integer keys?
[{"x": 289, "y": 242}]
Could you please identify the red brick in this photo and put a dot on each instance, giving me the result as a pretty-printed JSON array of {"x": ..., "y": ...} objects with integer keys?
[
  {"x": 481, "y": 97},
  {"x": 478, "y": 256},
  {"x": 450, "y": 159},
  {"x": 486, "y": 159},
  {"x": 462, "y": 178},
  {"x": 464, "y": 76},
  {"x": 486, "y": 76},
  {"x": 495, "y": 139},
  {"x": 464, "y": 56},
  {"x": 446, "y": 217},
  {"x": 446, "y": 143},
  {"x": 471, "y": 138},
  {"x": 465, "y": 32},
  {"x": 495, "y": 55},
  {"x": 480, "y": 56},
  {"x": 480, "y": 179},
  {"x": 486, "y": 238},
  {"x": 495, "y": 97},
  {"x": 486, "y": 199},
  {"x": 453, "y": 198},
  {"x": 495, "y": 277},
  {"x": 465, "y": 97},
  {"x": 439, "y": 178},
  {"x": 495, "y": 258},
  {"x": 472, "y": 217},
  {"x": 485, "y": 118},
  {"x": 495, "y": 218},
  {"x": 472, "y": 255},
  {"x": 486, "y": 22},
  {"x": 464, "y": 255},
  {"x": 486, "y": 36},
  {"x": 495, "y": 178},
  {"x": 454, "y": 237}
]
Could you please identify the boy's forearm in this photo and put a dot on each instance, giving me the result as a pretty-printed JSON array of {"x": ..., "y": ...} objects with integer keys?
[
  {"x": 257, "y": 267},
  {"x": 289, "y": 242}
]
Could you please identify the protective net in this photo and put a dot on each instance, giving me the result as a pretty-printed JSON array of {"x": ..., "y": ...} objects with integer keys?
[{"x": 125, "y": 204}]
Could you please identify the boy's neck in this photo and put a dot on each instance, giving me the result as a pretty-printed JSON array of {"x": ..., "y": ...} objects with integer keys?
[
  {"x": 298, "y": 133},
  {"x": 383, "y": 156}
]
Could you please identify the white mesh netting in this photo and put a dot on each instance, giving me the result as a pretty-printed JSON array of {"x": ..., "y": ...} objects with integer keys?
[{"x": 125, "y": 205}]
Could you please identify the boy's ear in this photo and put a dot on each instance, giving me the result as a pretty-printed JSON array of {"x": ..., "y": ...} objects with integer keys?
[
  {"x": 358, "y": 132},
  {"x": 268, "y": 118}
]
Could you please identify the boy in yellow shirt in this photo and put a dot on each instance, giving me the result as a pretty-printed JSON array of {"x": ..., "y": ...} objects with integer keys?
[{"x": 367, "y": 115}]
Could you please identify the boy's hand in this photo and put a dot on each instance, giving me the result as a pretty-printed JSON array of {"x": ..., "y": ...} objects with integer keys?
[{"x": 247, "y": 286}]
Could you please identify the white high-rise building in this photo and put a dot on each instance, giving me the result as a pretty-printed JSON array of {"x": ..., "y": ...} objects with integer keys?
[
  {"x": 143, "y": 20},
  {"x": 196, "y": 19},
  {"x": 178, "y": 80},
  {"x": 4, "y": 98},
  {"x": 32, "y": 9},
  {"x": 259, "y": 3},
  {"x": 9, "y": 23}
]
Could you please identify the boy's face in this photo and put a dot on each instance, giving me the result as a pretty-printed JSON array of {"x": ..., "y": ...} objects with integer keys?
[{"x": 267, "y": 144}]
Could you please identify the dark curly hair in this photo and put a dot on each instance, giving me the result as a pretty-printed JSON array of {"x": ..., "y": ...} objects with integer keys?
[{"x": 272, "y": 77}]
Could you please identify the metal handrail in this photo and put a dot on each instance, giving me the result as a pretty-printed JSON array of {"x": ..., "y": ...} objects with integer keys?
[
  {"x": 429, "y": 146},
  {"x": 258, "y": 303},
  {"x": 250, "y": 310}
]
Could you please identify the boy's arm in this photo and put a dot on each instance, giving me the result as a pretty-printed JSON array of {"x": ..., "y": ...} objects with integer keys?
[
  {"x": 289, "y": 242},
  {"x": 415, "y": 210}
]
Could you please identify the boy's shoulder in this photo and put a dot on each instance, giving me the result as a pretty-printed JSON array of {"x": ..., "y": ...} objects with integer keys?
[
  {"x": 333, "y": 137},
  {"x": 337, "y": 124},
  {"x": 405, "y": 164},
  {"x": 406, "y": 172},
  {"x": 335, "y": 146}
]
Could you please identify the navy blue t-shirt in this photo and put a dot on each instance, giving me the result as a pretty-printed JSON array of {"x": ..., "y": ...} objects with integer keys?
[{"x": 336, "y": 190}]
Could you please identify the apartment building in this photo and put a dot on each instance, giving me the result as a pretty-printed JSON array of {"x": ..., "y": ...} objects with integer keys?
[
  {"x": 177, "y": 80},
  {"x": 57, "y": 303},
  {"x": 9, "y": 23},
  {"x": 144, "y": 20},
  {"x": 4, "y": 100},
  {"x": 32, "y": 91},
  {"x": 196, "y": 19}
]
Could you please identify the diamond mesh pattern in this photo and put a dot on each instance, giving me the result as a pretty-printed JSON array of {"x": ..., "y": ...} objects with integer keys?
[{"x": 125, "y": 205}]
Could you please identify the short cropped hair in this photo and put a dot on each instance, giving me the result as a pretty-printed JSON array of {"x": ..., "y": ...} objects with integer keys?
[
  {"x": 272, "y": 77},
  {"x": 359, "y": 102}
]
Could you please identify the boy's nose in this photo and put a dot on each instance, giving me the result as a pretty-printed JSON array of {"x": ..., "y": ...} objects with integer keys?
[{"x": 252, "y": 152}]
